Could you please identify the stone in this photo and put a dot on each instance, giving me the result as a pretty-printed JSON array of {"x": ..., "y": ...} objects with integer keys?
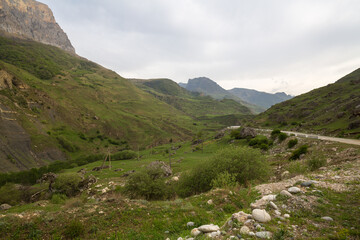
[
  {"x": 286, "y": 215},
  {"x": 5, "y": 206},
  {"x": 285, "y": 193},
  {"x": 264, "y": 235},
  {"x": 195, "y": 232},
  {"x": 261, "y": 203},
  {"x": 209, "y": 228},
  {"x": 307, "y": 183},
  {"x": 244, "y": 230},
  {"x": 273, "y": 205},
  {"x": 277, "y": 212},
  {"x": 210, "y": 202},
  {"x": 285, "y": 174},
  {"x": 214, "y": 234},
  {"x": 327, "y": 218},
  {"x": 261, "y": 215},
  {"x": 241, "y": 216},
  {"x": 162, "y": 166},
  {"x": 251, "y": 234},
  {"x": 246, "y": 132},
  {"x": 190, "y": 224},
  {"x": 294, "y": 190},
  {"x": 175, "y": 179},
  {"x": 166, "y": 232},
  {"x": 249, "y": 222},
  {"x": 180, "y": 238}
]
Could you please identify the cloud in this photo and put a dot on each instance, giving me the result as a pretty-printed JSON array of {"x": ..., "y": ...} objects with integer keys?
[{"x": 279, "y": 45}]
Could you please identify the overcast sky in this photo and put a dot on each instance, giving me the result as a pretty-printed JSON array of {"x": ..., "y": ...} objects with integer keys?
[{"x": 278, "y": 45}]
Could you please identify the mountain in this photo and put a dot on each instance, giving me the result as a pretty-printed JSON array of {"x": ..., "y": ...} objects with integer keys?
[
  {"x": 333, "y": 109},
  {"x": 209, "y": 87},
  {"x": 262, "y": 99},
  {"x": 192, "y": 103},
  {"x": 32, "y": 20}
]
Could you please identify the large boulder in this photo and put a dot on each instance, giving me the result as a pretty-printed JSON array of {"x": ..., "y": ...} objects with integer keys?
[
  {"x": 5, "y": 206},
  {"x": 246, "y": 132},
  {"x": 261, "y": 215},
  {"x": 162, "y": 166}
]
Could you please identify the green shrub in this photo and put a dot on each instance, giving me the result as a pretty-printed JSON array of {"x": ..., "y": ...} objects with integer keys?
[
  {"x": 298, "y": 152},
  {"x": 148, "y": 185},
  {"x": 275, "y": 133},
  {"x": 229, "y": 208},
  {"x": 58, "y": 198},
  {"x": 292, "y": 142},
  {"x": 297, "y": 167},
  {"x": 261, "y": 142},
  {"x": 67, "y": 183},
  {"x": 235, "y": 134},
  {"x": 224, "y": 180},
  {"x": 10, "y": 194},
  {"x": 67, "y": 145},
  {"x": 124, "y": 155},
  {"x": 315, "y": 163},
  {"x": 243, "y": 162},
  {"x": 74, "y": 229},
  {"x": 282, "y": 136}
]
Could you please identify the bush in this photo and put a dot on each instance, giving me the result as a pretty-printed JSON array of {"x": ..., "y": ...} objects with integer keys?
[
  {"x": 275, "y": 133},
  {"x": 243, "y": 162},
  {"x": 315, "y": 163},
  {"x": 67, "y": 145},
  {"x": 68, "y": 184},
  {"x": 58, "y": 198},
  {"x": 292, "y": 142},
  {"x": 235, "y": 134},
  {"x": 282, "y": 136},
  {"x": 261, "y": 142},
  {"x": 124, "y": 155},
  {"x": 298, "y": 152},
  {"x": 297, "y": 167},
  {"x": 148, "y": 185},
  {"x": 10, "y": 194},
  {"x": 74, "y": 229},
  {"x": 224, "y": 180}
]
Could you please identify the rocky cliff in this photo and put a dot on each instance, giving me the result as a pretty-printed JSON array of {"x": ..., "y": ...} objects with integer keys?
[{"x": 32, "y": 20}]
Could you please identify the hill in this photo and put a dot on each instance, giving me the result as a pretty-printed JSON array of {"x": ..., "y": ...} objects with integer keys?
[
  {"x": 53, "y": 102},
  {"x": 261, "y": 99},
  {"x": 333, "y": 109},
  {"x": 210, "y": 88},
  {"x": 192, "y": 103}
]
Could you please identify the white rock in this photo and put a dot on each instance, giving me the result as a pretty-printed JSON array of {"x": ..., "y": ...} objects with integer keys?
[
  {"x": 210, "y": 202},
  {"x": 264, "y": 235},
  {"x": 190, "y": 224},
  {"x": 285, "y": 174},
  {"x": 327, "y": 218},
  {"x": 251, "y": 234},
  {"x": 249, "y": 222},
  {"x": 286, "y": 215},
  {"x": 241, "y": 216},
  {"x": 180, "y": 238},
  {"x": 285, "y": 193},
  {"x": 277, "y": 212},
  {"x": 261, "y": 215},
  {"x": 175, "y": 178},
  {"x": 244, "y": 230},
  {"x": 294, "y": 190},
  {"x": 195, "y": 232},
  {"x": 273, "y": 205},
  {"x": 209, "y": 228},
  {"x": 5, "y": 206},
  {"x": 261, "y": 203}
]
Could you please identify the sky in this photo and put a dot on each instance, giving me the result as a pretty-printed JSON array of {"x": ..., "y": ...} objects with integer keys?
[{"x": 290, "y": 46}]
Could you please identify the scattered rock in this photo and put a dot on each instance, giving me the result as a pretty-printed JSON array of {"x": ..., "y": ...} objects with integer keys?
[
  {"x": 244, "y": 230},
  {"x": 5, "y": 206},
  {"x": 210, "y": 202},
  {"x": 209, "y": 228},
  {"x": 166, "y": 232},
  {"x": 195, "y": 232},
  {"x": 264, "y": 235},
  {"x": 261, "y": 215},
  {"x": 273, "y": 205},
  {"x": 175, "y": 179},
  {"x": 251, "y": 234},
  {"x": 286, "y": 193},
  {"x": 261, "y": 203},
  {"x": 249, "y": 222},
  {"x": 213, "y": 234},
  {"x": 277, "y": 212},
  {"x": 307, "y": 183},
  {"x": 241, "y": 216},
  {"x": 118, "y": 170},
  {"x": 247, "y": 133},
  {"x": 294, "y": 190},
  {"x": 327, "y": 218},
  {"x": 190, "y": 224},
  {"x": 286, "y": 215},
  {"x": 285, "y": 174}
]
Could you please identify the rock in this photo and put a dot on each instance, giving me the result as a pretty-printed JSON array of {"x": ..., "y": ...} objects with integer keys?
[
  {"x": 5, "y": 206},
  {"x": 285, "y": 193},
  {"x": 209, "y": 228},
  {"x": 249, "y": 222},
  {"x": 210, "y": 202},
  {"x": 246, "y": 132},
  {"x": 264, "y": 235},
  {"x": 190, "y": 224},
  {"x": 273, "y": 205},
  {"x": 251, "y": 234},
  {"x": 261, "y": 203},
  {"x": 164, "y": 167},
  {"x": 166, "y": 232},
  {"x": 285, "y": 174},
  {"x": 294, "y": 190},
  {"x": 180, "y": 238},
  {"x": 277, "y": 212},
  {"x": 195, "y": 232},
  {"x": 213, "y": 234},
  {"x": 261, "y": 215},
  {"x": 244, "y": 230},
  {"x": 118, "y": 170},
  {"x": 307, "y": 184},
  {"x": 280, "y": 217},
  {"x": 175, "y": 179},
  {"x": 286, "y": 215},
  {"x": 241, "y": 216},
  {"x": 230, "y": 223},
  {"x": 327, "y": 218}
]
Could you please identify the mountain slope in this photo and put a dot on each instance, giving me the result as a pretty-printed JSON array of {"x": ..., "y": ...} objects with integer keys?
[
  {"x": 63, "y": 102},
  {"x": 333, "y": 109},
  {"x": 209, "y": 87},
  {"x": 190, "y": 103},
  {"x": 262, "y": 99}
]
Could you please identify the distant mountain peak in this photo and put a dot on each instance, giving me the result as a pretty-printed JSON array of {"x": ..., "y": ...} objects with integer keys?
[{"x": 32, "y": 20}]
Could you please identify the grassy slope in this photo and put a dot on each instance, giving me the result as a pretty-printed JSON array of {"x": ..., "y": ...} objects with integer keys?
[
  {"x": 66, "y": 92},
  {"x": 201, "y": 107},
  {"x": 328, "y": 110}
]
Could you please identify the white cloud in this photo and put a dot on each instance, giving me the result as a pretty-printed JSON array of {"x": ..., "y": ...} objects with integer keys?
[{"x": 279, "y": 45}]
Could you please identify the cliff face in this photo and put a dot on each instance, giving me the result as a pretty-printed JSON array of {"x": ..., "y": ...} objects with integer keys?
[{"x": 32, "y": 20}]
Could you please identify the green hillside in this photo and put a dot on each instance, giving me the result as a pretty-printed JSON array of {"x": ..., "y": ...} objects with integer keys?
[
  {"x": 192, "y": 104},
  {"x": 61, "y": 101},
  {"x": 333, "y": 109}
]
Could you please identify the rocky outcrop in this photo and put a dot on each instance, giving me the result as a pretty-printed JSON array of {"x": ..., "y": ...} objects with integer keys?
[
  {"x": 32, "y": 20},
  {"x": 8, "y": 81}
]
